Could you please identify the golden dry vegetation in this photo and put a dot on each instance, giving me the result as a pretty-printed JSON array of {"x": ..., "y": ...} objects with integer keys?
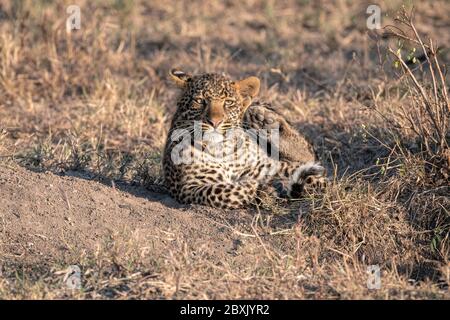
[{"x": 96, "y": 101}]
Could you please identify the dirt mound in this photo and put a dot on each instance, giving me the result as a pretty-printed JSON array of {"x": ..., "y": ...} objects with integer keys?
[{"x": 45, "y": 216}]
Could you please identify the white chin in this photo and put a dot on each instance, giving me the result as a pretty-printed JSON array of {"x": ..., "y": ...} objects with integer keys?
[{"x": 212, "y": 136}]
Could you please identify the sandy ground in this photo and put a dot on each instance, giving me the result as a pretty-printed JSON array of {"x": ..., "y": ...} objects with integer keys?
[{"x": 46, "y": 216}]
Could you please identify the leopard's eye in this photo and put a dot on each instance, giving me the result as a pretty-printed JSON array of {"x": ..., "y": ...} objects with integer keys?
[
  {"x": 229, "y": 102},
  {"x": 198, "y": 101}
]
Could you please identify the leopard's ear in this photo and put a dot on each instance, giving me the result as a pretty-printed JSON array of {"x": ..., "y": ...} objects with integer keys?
[
  {"x": 248, "y": 88},
  {"x": 179, "y": 77}
]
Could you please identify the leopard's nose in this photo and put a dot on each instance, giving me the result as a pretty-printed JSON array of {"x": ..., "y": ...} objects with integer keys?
[{"x": 214, "y": 123}]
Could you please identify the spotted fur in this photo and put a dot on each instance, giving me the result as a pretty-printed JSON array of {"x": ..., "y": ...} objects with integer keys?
[{"x": 219, "y": 104}]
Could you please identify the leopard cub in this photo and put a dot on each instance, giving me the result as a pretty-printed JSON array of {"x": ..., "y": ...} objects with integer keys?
[{"x": 211, "y": 159}]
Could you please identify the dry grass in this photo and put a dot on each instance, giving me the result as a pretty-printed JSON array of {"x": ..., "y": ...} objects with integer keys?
[{"x": 97, "y": 100}]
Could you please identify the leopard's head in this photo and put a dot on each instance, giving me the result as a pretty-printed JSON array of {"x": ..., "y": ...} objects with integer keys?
[{"x": 214, "y": 100}]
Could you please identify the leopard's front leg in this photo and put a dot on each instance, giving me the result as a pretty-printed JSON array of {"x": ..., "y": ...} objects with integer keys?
[{"x": 225, "y": 195}]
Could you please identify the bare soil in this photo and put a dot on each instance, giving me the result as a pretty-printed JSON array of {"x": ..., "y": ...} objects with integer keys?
[{"x": 50, "y": 217}]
